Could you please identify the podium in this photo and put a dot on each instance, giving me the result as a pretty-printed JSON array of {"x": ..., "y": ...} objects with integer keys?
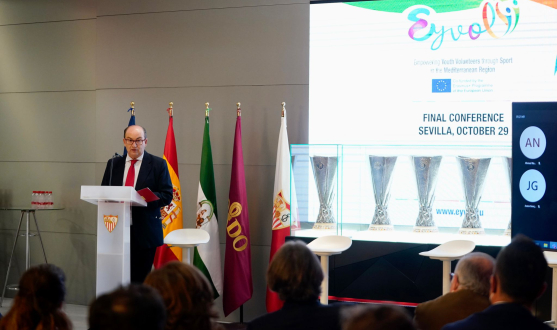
[{"x": 113, "y": 232}]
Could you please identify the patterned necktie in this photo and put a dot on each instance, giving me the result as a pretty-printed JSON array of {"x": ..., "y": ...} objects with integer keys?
[{"x": 130, "y": 179}]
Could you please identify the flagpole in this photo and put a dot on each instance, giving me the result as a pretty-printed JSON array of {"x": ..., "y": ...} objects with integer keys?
[
  {"x": 239, "y": 114},
  {"x": 130, "y": 123},
  {"x": 171, "y": 109}
]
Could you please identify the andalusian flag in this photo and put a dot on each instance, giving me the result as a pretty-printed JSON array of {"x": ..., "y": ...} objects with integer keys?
[
  {"x": 130, "y": 123},
  {"x": 284, "y": 212},
  {"x": 207, "y": 256},
  {"x": 172, "y": 213}
]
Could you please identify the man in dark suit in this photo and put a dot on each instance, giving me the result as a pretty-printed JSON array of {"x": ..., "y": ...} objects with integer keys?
[
  {"x": 469, "y": 294},
  {"x": 518, "y": 281},
  {"x": 141, "y": 170}
]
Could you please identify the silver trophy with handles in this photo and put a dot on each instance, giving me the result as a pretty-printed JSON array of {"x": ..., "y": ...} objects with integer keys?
[
  {"x": 473, "y": 172},
  {"x": 324, "y": 172},
  {"x": 381, "y": 177},
  {"x": 426, "y": 170}
]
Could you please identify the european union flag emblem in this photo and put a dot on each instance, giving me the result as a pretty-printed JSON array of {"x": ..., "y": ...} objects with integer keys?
[{"x": 440, "y": 85}]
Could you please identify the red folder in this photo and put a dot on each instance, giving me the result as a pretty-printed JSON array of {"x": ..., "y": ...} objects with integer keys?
[{"x": 147, "y": 195}]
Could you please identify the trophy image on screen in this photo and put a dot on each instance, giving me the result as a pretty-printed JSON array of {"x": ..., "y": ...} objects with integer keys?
[
  {"x": 324, "y": 173},
  {"x": 508, "y": 163},
  {"x": 473, "y": 172},
  {"x": 426, "y": 170},
  {"x": 381, "y": 175}
]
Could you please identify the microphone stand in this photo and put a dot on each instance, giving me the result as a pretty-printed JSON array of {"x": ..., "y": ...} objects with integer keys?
[{"x": 112, "y": 166}]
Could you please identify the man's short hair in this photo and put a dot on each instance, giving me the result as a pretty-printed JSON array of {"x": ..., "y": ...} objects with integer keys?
[
  {"x": 134, "y": 307},
  {"x": 474, "y": 271},
  {"x": 376, "y": 317},
  {"x": 295, "y": 273},
  {"x": 521, "y": 268},
  {"x": 143, "y": 128}
]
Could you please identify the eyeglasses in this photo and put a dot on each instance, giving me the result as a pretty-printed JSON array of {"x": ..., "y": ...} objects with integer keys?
[{"x": 138, "y": 142}]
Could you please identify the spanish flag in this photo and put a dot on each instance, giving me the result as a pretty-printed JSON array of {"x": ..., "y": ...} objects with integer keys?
[{"x": 171, "y": 214}]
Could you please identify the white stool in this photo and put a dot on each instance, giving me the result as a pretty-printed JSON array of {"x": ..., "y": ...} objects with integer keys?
[
  {"x": 551, "y": 258},
  {"x": 324, "y": 247},
  {"x": 448, "y": 252},
  {"x": 187, "y": 239}
]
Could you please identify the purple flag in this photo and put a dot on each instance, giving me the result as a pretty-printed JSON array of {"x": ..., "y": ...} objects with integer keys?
[{"x": 238, "y": 286}]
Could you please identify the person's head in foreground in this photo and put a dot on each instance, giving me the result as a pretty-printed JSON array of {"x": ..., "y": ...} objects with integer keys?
[
  {"x": 38, "y": 303},
  {"x": 377, "y": 317},
  {"x": 295, "y": 273},
  {"x": 473, "y": 272},
  {"x": 519, "y": 275},
  {"x": 187, "y": 295},
  {"x": 135, "y": 307}
]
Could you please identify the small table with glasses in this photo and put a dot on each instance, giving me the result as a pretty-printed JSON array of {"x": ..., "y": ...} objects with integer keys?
[{"x": 25, "y": 212}]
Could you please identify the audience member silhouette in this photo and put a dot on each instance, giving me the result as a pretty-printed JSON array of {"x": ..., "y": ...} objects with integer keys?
[
  {"x": 376, "y": 317},
  {"x": 136, "y": 307},
  {"x": 38, "y": 303},
  {"x": 518, "y": 281},
  {"x": 187, "y": 295},
  {"x": 296, "y": 275},
  {"x": 469, "y": 294}
]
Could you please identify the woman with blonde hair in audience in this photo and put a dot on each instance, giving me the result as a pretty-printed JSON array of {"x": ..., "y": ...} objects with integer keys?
[
  {"x": 38, "y": 303},
  {"x": 187, "y": 296}
]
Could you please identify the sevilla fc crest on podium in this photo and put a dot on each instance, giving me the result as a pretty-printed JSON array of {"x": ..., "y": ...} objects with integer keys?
[{"x": 110, "y": 222}]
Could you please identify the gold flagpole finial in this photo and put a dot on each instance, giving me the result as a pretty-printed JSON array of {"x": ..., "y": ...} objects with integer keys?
[
  {"x": 206, "y": 109},
  {"x": 132, "y": 105},
  {"x": 238, "y": 110},
  {"x": 171, "y": 109},
  {"x": 283, "y": 108}
]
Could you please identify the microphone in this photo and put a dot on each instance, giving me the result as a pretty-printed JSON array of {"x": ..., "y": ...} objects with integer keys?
[{"x": 112, "y": 166}]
